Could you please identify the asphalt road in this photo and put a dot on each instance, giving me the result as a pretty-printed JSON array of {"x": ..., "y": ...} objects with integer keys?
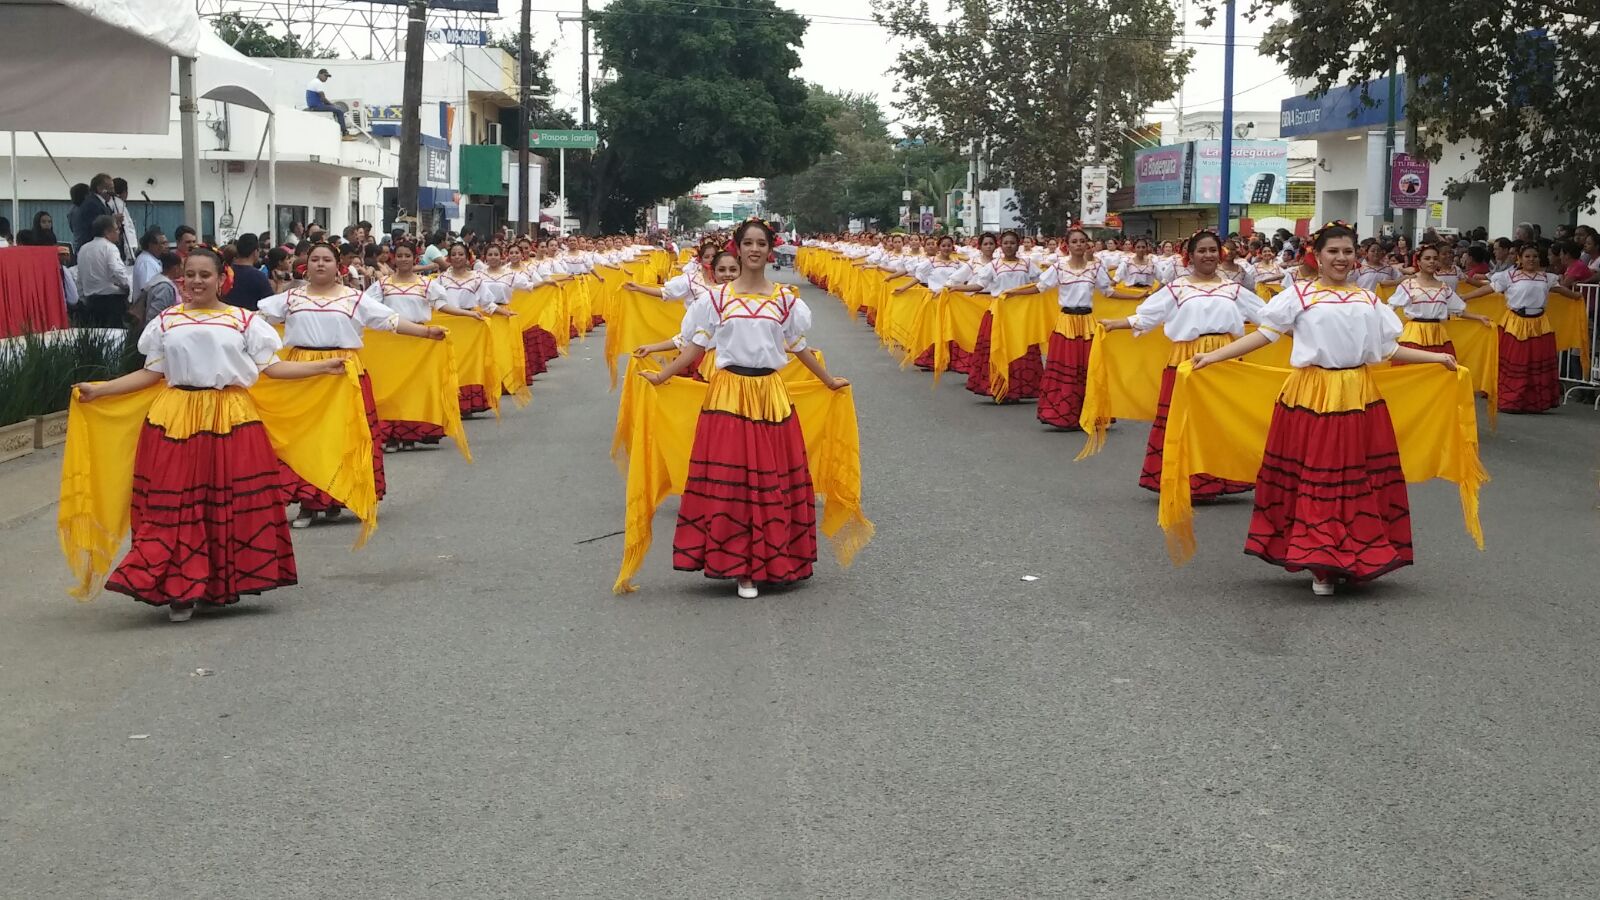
[{"x": 463, "y": 709}]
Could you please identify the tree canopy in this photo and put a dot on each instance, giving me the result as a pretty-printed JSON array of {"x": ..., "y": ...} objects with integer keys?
[
  {"x": 254, "y": 39},
  {"x": 698, "y": 93},
  {"x": 689, "y": 214},
  {"x": 1514, "y": 80},
  {"x": 867, "y": 172},
  {"x": 1044, "y": 86}
]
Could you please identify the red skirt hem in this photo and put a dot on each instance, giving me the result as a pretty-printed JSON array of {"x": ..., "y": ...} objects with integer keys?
[
  {"x": 1023, "y": 376},
  {"x": 1201, "y": 485},
  {"x": 1530, "y": 379},
  {"x": 1331, "y": 496},
  {"x": 207, "y": 519},
  {"x": 473, "y": 399},
  {"x": 1066, "y": 380},
  {"x": 749, "y": 509}
]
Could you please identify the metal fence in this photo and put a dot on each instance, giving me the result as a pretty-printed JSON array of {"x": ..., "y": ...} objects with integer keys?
[{"x": 1582, "y": 375}]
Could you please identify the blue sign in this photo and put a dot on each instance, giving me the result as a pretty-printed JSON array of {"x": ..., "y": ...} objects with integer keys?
[
  {"x": 1260, "y": 172},
  {"x": 1340, "y": 109}
]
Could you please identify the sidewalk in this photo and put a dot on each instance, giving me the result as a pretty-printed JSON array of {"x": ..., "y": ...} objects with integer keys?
[{"x": 29, "y": 485}]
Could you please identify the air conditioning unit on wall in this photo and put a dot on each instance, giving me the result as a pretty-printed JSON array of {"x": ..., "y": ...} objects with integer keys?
[{"x": 355, "y": 114}]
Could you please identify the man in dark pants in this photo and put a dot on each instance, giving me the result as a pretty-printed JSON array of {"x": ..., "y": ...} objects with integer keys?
[{"x": 102, "y": 277}]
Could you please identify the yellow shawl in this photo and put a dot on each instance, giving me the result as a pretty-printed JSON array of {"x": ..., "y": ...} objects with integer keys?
[
  {"x": 1218, "y": 424},
  {"x": 662, "y": 424},
  {"x": 415, "y": 380},
  {"x": 318, "y": 427}
]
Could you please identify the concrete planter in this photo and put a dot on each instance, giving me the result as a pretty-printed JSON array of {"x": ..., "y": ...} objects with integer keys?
[
  {"x": 50, "y": 430},
  {"x": 16, "y": 440}
]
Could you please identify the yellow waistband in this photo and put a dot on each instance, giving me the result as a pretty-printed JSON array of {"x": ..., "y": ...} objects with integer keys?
[
  {"x": 1330, "y": 390},
  {"x": 761, "y": 398},
  {"x": 182, "y": 414}
]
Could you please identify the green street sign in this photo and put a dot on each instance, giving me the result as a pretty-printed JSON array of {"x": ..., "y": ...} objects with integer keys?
[{"x": 540, "y": 139}]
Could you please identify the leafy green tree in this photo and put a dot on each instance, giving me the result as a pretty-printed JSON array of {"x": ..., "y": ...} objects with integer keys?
[
  {"x": 699, "y": 93},
  {"x": 1042, "y": 87},
  {"x": 690, "y": 214},
  {"x": 254, "y": 39},
  {"x": 866, "y": 174},
  {"x": 1514, "y": 80}
]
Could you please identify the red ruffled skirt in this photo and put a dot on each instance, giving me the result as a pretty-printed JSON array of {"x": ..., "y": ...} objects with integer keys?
[
  {"x": 1331, "y": 496},
  {"x": 538, "y": 348},
  {"x": 1201, "y": 485},
  {"x": 473, "y": 399},
  {"x": 207, "y": 513},
  {"x": 1530, "y": 379},
  {"x": 1023, "y": 376},
  {"x": 296, "y": 489},
  {"x": 1066, "y": 371},
  {"x": 748, "y": 507},
  {"x": 411, "y": 432}
]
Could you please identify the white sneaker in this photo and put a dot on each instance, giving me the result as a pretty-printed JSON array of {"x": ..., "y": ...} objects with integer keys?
[
  {"x": 179, "y": 614},
  {"x": 1321, "y": 588},
  {"x": 303, "y": 520},
  {"x": 747, "y": 590}
]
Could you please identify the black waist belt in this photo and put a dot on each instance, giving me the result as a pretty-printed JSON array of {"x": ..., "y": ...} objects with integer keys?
[
  {"x": 326, "y": 349},
  {"x": 1529, "y": 313},
  {"x": 1429, "y": 321},
  {"x": 749, "y": 371},
  {"x": 194, "y": 387},
  {"x": 1076, "y": 310}
]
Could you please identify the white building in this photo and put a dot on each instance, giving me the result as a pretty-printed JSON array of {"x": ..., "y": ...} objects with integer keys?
[
  {"x": 732, "y": 200},
  {"x": 1352, "y": 170},
  {"x": 319, "y": 177}
]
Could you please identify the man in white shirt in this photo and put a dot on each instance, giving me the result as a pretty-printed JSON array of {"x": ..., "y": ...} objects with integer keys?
[
  {"x": 317, "y": 101},
  {"x": 102, "y": 278},
  {"x": 147, "y": 265}
]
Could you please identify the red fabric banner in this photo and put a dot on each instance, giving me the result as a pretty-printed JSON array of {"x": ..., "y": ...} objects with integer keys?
[{"x": 31, "y": 297}]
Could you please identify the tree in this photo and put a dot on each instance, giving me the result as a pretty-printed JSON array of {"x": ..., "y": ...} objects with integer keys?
[
  {"x": 1514, "y": 80},
  {"x": 864, "y": 177},
  {"x": 698, "y": 93},
  {"x": 253, "y": 39},
  {"x": 1040, "y": 87},
  {"x": 690, "y": 213}
]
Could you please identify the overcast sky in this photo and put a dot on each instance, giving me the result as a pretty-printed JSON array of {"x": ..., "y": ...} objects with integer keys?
[{"x": 845, "y": 50}]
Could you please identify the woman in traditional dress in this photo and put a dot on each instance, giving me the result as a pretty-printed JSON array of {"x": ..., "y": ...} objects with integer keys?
[
  {"x": 1076, "y": 279},
  {"x": 943, "y": 269},
  {"x": 724, "y": 269},
  {"x": 324, "y": 320},
  {"x": 1375, "y": 270},
  {"x": 748, "y": 510},
  {"x": 1235, "y": 267},
  {"x": 1530, "y": 380},
  {"x": 1331, "y": 496},
  {"x": 1200, "y": 311},
  {"x": 1138, "y": 269},
  {"x": 1429, "y": 302},
  {"x": 407, "y": 294},
  {"x": 1000, "y": 278},
  {"x": 500, "y": 280},
  {"x": 207, "y": 511},
  {"x": 459, "y": 290}
]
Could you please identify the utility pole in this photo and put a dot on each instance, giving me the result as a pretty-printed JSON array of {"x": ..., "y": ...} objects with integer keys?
[
  {"x": 586, "y": 119},
  {"x": 525, "y": 120},
  {"x": 1224, "y": 193},
  {"x": 1413, "y": 147},
  {"x": 1389, "y": 148},
  {"x": 411, "y": 110}
]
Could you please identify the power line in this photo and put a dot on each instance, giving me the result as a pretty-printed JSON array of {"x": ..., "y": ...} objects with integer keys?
[{"x": 1149, "y": 37}]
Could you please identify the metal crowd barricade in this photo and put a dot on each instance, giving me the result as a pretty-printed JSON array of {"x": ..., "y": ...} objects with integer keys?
[{"x": 1577, "y": 373}]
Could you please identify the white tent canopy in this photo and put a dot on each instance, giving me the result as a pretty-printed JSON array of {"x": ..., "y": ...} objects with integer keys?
[
  {"x": 223, "y": 73},
  {"x": 49, "y": 88}
]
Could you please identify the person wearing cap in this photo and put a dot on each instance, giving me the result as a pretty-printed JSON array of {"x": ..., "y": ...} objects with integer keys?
[{"x": 317, "y": 101}]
